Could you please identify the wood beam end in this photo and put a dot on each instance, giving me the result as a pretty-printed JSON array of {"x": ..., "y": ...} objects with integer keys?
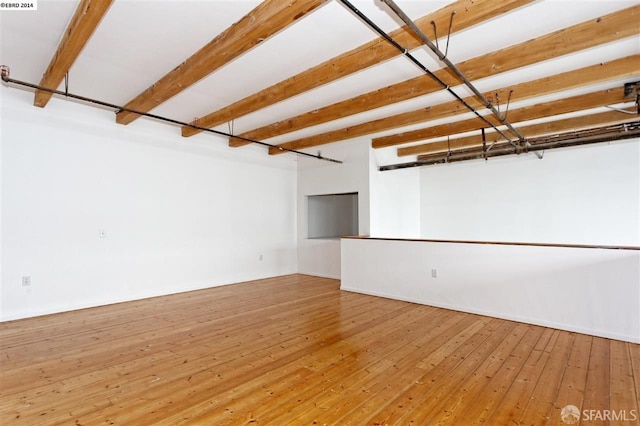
[
  {"x": 274, "y": 150},
  {"x": 235, "y": 142},
  {"x": 125, "y": 117},
  {"x": 41, "y": 98}
]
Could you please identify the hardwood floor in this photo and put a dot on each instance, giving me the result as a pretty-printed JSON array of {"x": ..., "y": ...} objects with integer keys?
[{"x": 297, "y": 350}]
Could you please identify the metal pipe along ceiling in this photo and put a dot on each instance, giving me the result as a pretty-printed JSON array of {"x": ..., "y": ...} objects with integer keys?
[
  {"x": 5, "y": 74},
  {"x": 419, "y": 64},
  {"x": 403, "y": 16},
  {"x": 396, "y": 9},
  {"x": 563, "y": 140}
]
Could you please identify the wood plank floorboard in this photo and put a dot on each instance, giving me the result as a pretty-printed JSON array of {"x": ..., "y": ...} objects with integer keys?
[{"x": 296, "y": 350}]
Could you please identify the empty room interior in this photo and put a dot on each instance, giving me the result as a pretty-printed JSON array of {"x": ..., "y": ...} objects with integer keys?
[{"x": 320, "y": 212}]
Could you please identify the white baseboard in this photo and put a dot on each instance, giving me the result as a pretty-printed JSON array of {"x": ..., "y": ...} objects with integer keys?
[{"x": 526, "y": 320}]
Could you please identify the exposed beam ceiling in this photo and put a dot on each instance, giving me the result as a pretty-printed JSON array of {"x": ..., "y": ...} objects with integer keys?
[
  {"x": 84, "y": 22},
  {"x": 534, "y": 130},
  {"x": 615, "y": 26},
  {"x": 272, "y": 16},
  {"x": 546, "y": 109},
  {"x": 619, "y": 68},
  {"x": 327, "y": 78},
  {"x": 468, "y": 13},
  {"x": 587, "y": 136}
]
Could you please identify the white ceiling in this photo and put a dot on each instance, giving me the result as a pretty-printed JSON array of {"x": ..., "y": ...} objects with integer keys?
[{"x": 139, "y": 41}]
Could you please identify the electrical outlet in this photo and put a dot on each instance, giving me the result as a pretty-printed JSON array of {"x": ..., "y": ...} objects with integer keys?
[
  {"x": 102, "y": 233},
  {"x": 260, "y": 257},
  {"x": 434, "y": 273},
  {"x": 26, "y": 281}
]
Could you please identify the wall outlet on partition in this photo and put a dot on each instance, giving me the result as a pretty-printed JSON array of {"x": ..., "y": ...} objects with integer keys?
[
  {"x": 260, "y": 258},
  {"x": 434, "y": 273},
  {"x": 26, "y": 281},
  {"x": 102, "y": 233}
]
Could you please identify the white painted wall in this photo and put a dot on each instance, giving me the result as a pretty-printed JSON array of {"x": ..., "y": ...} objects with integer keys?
[
  {"x": 1, "y": 215},
  {"x": 179, "y": 214},
  {"x": 395, "y": 202},
  {"x": 321, "y": 257},
  {"x": 594, "y": 291},
  {"x": 588, "y": 195},
  {"x": 185, "y": 214},
  {"x": 582, "y": 195}
]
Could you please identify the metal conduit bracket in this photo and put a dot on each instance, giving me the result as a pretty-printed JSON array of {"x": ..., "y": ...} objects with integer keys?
[
  {"x": 66, "y": 84},
  {"x": 5, "y": 72},
  {"x": 632, "y": 91}
]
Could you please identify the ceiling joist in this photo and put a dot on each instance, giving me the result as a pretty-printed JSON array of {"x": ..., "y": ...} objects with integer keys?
[
  {"x": 545, "y": 109},
  {"x": 468, "y": 13},
  {"x": 272, "y": 16},
  {"x": 84, "y": 22},
  {"x": 587, "y": 136},
  {"x": 616, "y": 69},
  {"x": 534, "y": 130},
  {"x": 612, "y": 27}
]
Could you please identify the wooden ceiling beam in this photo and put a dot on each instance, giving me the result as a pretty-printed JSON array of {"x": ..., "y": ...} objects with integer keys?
[
  {"x": 268, "y": 18},
  {"x": 468, "y": 13},
  {"x": 84, "y": 22},
  {"x": 619, "y": 68},
  {"x": 615, "y": 26},
  {"x": 541, "y": 110},
  {"x": 535, "y": 130}
]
